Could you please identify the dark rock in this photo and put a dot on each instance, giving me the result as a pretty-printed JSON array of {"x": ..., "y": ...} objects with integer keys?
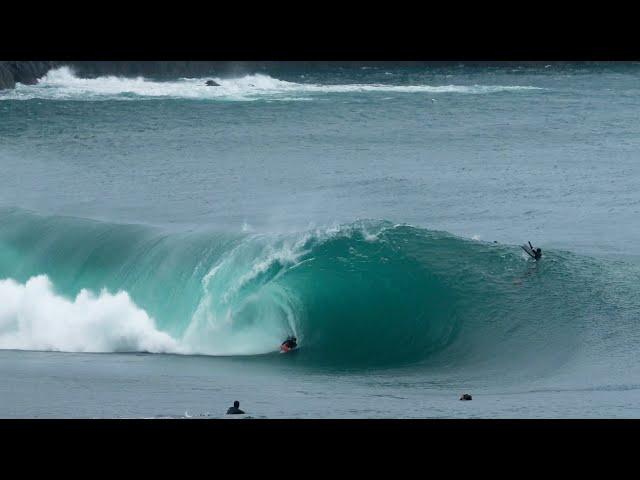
[
  {"x": 6, "y": 77},
  {"x": 466, "y": 396},
  {"x": 211, "y": 83},
  {"x": 27, "y": 73}
]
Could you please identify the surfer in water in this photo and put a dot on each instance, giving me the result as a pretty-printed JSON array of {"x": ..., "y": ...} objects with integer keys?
[
  {"x": 537, "y": 252},
  {"x": 235, "y": 410},
  {"x": 289, "y": 344}
]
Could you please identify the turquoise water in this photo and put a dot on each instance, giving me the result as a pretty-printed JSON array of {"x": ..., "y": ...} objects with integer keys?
[{"x": 374, "y": 213}]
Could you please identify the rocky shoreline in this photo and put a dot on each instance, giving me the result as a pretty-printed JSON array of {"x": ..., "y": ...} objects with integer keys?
[
  {"x": 28, "y": 72},
  {"x": 23, "y": 72}
]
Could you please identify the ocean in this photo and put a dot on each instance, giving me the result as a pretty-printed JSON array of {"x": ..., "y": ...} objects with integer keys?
[{"x": 159, "y": 239}]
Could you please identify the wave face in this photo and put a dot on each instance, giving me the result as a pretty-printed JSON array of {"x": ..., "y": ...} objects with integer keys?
[
  {"x": 63, "y": 84},
  {"x": 366, "y": 294}
]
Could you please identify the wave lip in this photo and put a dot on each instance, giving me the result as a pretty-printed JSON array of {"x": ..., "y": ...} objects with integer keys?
[{"x": 63, "y": 84}]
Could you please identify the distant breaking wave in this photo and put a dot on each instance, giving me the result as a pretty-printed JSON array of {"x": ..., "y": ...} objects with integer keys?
[{"x": 62, "y": 84}]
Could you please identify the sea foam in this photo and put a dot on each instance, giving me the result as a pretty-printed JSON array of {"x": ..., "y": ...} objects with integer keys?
[{"x": 63, "y": 84}]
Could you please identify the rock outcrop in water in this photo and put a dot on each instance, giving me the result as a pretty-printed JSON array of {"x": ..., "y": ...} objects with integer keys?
[
  {"x": 6, "y": 77},
  {"x": 23, "y": 72}
]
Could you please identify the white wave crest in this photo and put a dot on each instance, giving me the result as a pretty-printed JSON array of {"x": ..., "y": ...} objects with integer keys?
[
  {"x": 34, "y": 317},
  {"x": 63, "y": 84}
]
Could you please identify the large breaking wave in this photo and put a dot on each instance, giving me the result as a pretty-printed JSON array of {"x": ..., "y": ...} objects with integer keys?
[
  {"x": 367, "y": 293},
  {"x": 62, "y": 84}
]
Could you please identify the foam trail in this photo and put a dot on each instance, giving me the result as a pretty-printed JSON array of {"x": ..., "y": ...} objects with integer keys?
[
  {"x": 34, "y": 317},
  {"x": 62, "y": 84}
]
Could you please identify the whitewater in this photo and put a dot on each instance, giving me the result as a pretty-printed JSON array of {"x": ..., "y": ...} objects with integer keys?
[
  {"x": 63, "y": 84},
  {"x": 160, "y": 238}
]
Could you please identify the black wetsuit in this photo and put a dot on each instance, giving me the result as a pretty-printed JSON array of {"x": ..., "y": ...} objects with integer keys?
[
  {"x": 537, "y": 253},
  {"x": 291, "y": 343},
  {"x": 234, "y": 411}
]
